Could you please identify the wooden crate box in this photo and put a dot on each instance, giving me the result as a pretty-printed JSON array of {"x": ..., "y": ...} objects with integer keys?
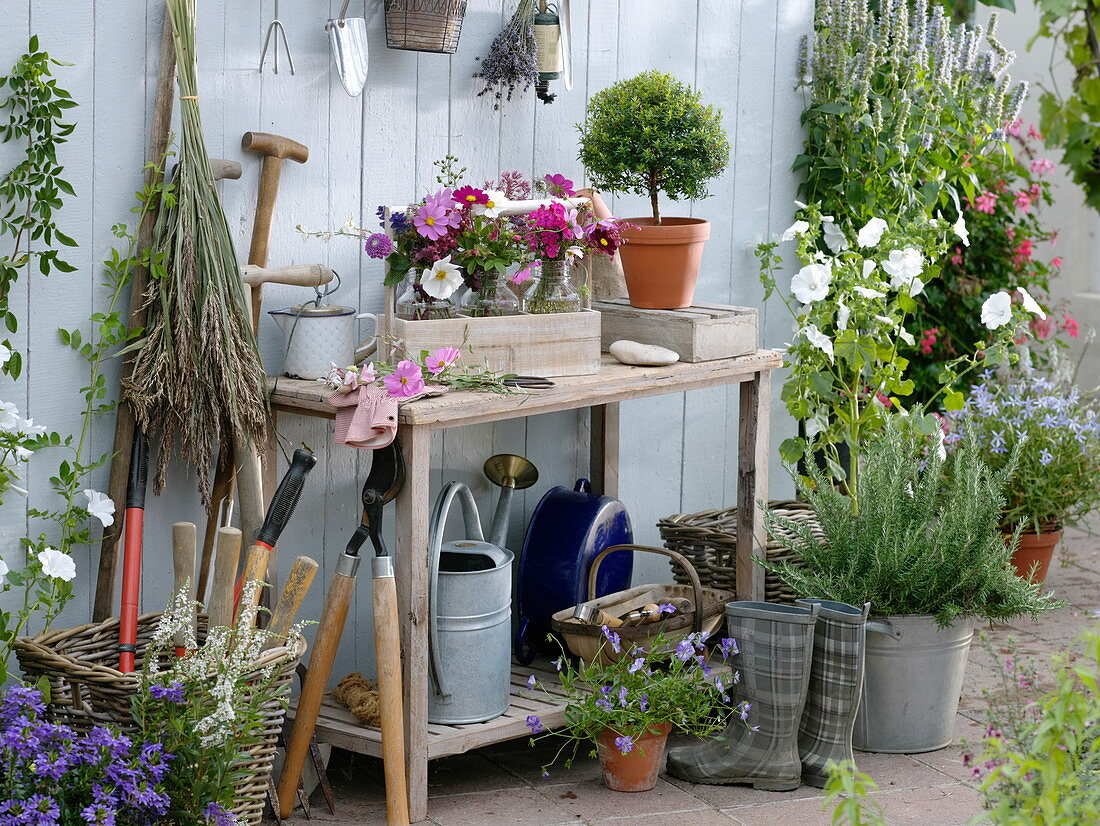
[{"x": 701, "y": 332}]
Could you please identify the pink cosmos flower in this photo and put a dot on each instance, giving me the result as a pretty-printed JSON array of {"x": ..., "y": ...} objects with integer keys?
[
  {"x": 560, "y": 186},
  {"x": 407, "y": 380},
  {"x": 441, "y": 359},
  {"x": 986, "y": 202},
  {"x": 432, "y": 221},
  {"x": 470, "y": 195},
  {"x": 1041, "y": 166},
  {"x": 524, "y": 275}
]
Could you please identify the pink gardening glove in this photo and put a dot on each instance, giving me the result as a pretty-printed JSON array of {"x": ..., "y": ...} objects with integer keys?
[{"x": 365, "y": 418}]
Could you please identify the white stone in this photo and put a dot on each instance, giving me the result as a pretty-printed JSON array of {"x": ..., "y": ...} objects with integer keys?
[{"x": 644, "y": 355}]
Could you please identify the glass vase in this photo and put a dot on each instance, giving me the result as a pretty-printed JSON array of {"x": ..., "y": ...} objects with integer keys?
[
  {"x": 551, "y": 290},
  {"x": 416, "y": 305},
  {"x": 492, "y": 298}
]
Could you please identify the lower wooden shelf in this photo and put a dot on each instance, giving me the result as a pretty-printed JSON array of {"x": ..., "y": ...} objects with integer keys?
[{"x": 337, "y": 726}]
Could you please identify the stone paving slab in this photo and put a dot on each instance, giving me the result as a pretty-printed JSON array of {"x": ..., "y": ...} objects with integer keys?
[{"x": 503, "y": 785}]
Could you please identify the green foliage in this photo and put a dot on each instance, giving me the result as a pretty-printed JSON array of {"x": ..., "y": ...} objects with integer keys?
[
  {"x": 1047, "y": 772},
  {"x": 924, "y": 538},
  {"x": 652, "y": 134},
  {"x": 848, "y": 791},
  {"x": 1070, "y": 117}
]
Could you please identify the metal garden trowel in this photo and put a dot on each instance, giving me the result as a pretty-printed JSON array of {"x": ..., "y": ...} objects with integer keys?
[{"x": 348, "y": 36}]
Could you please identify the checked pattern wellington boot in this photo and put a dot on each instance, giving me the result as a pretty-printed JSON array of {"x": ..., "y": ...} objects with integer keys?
[
  {"x": 836, "y": 683},
  {"x": 775, "y": 645}
]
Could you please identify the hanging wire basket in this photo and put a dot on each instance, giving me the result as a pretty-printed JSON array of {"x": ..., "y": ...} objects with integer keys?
[{"x": 424, "y": 25}]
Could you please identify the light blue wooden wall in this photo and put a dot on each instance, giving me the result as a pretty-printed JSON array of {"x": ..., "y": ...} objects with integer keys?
[{"x": 679, "y": 452}]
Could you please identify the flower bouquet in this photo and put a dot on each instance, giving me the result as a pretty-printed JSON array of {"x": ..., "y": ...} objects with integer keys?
[{"x": 627, "y": 707}]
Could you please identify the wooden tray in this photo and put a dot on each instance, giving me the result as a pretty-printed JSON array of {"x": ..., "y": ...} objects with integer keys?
[{"x": 702, "y": 332}]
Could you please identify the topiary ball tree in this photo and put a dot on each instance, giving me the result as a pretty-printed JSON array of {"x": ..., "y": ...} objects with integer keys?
[{"x": 652, "y": 134}]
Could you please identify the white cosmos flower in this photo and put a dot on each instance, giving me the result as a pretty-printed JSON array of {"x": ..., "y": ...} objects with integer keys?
[
  {"x": 10, "y": 420},
  {"x": 491, "y": 208},
  {"x": 574, "y": 253},
  {"x": 904, "y": 268},
  {"x": 997, "y": 310},
  {"x": 867, "y": 292},
  {"x": 57, "y": 565},
  {"x": 101, "y": 507},
  {"x": 794, "y": 230},
  {"x": 442, "y": 279},
  {"x": 871, "y": 233},
  {"x": 818, "y": 339},
  {"x": 1030, "y": 304},
  {"x": 961, "y": 231},
  {"x": 3, "y": 571},
  {"x": 843, "y": 313},
  {"x": 834, "y": 237},
  {"x": 811, "y": 283}
]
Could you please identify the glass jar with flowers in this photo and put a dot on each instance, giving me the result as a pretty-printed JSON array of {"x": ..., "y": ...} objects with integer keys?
[
  {"x": 1056, "y": 432},
  {"x": 627, "y": 707}
]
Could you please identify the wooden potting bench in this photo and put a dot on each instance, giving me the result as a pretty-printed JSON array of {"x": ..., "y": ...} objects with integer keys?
[{"x": 601, "y": 393}]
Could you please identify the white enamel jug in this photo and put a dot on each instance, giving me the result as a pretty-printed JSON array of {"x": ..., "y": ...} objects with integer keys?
[{"x": 315, "y": 336}]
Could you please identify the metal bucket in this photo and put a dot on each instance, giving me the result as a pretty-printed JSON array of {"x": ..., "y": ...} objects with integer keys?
[
  {"x": 914, "y": 675},
  {"x": 470, "y": 619}
]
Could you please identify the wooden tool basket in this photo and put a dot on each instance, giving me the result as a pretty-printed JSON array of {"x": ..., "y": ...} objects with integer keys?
[
  {"x": 550, "y": 344},
  {"x": 588, "y": 641},
  {"x": 709, "y": 540},
  {"x": 86, "y": 690}
]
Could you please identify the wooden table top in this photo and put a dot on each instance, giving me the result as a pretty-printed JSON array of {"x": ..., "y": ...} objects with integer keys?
[{"x": 614, "y": 382}]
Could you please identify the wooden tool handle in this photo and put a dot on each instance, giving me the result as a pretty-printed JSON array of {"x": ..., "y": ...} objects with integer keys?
[
  {"x": 387, "y": 656},
  {"x": 225, "y": 575},
  {"x": 298, "y": 275},
  {"x": 326, "y": 642},
  {"x": 221, "y": 498},
  {"x": 184, "y": 542},
  {"x": 297, "y": 586},
  {"x": 255, "y": 570}
]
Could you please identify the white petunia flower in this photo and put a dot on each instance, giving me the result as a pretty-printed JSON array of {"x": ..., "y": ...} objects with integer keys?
[
  {"x": 1030, "y": 304},
  {"x": 906, "y": 336},
  {"x": 997, "y": 310},
  {"x": 57, "y": 565},
  {"x": 868, "y": 268},
  {"x": 492, "y": 207},
  {"x": 101, "y": 507},
  {"x": 811, "y": 283},
  {"x": 843, "y": 313},
  {"x": 442, "y": 279},
  {"x": 794, "y": 230},
  {"x": 834, "y": 236},
  {"x": 867, "y": 292},
  {"x": 5, "y": 354},
  {"x": 961, "y": 231},
  {"x": 10, "y": 420},
  {"x": 904, "y": 268},
  {"x": 3, "y": 571},
  {"x": 818, "y": 339},
  {"x": 31, "y": 429},
  {"x": 871, "y": 233}
]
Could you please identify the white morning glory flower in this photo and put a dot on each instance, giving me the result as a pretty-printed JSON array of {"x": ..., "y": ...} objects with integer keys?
[
  {"x": 811, "y": 283},
  {"x": 843, "y": 313},
  {"x": 3, "y": 571},
  {"x": 904, "y": 268},
  {"x": 961, "y": 231},
  {"x": 31, "y": 429},
  {"x": 868, "y": 268},
  {"x": 57, "y": 565},
  {"x": 442, "y": 279},
  {"x": 5, "y": 354},
  {"x": 997, "y": 310},
  {"x": 10, "y": 420},
  {"x": 1030, "y": 304},
  {"x": 818, "y": 339},
  {"x": 867, "y": 292},
  {"x": 871, "y": 233},
  {"x": 794, "y": 230},
  {"x": 834, "y": 237},
  {"x": 101, "y": 507},
  {"x": 906, "y": 336}
]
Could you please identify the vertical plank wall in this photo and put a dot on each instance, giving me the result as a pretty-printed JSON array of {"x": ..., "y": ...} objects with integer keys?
[{"x": 679, "y": 451}]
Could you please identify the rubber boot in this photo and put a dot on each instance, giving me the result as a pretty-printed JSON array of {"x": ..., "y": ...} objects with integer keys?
[
  {"x": 775, "y": 645},
  {"x": 836, "y": 683}
]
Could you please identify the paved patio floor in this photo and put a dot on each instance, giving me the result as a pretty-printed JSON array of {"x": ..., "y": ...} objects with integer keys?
[{"x": 502, "y": 785}]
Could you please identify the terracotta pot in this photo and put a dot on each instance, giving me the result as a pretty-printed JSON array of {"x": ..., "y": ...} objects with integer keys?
[
  {"x": 662, "y": 262},
  {"x": 637, "y": 770},
  {"x": 1032, "y": 557}
]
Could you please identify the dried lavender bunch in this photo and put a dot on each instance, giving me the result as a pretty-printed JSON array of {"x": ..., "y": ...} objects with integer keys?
[{"x": 512, "y": 59}]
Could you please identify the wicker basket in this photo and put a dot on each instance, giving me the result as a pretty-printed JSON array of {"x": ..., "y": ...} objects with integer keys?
[
  {"x": 709, "y": 540},
  {"x": 424, "y": 25},
  {"x": 587, "y": 641},
  {"x": 87, "y": 690}
]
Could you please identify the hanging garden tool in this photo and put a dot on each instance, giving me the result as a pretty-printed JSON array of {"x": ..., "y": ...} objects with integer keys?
[
  {"x": 275, "y": 31},
  {"x": 131, "y": 552},
  {"x": 555, "y": 54},
  {"x": 348, "y": 36}
]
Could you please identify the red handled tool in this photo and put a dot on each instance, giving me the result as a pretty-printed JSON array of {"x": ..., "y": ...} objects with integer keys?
[{"x": 134, "y": 526}]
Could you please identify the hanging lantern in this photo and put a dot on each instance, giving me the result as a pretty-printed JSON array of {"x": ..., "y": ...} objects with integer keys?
[{"x": 554, "y": 56}]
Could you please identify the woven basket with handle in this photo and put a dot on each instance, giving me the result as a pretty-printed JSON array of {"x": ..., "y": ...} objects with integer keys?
[
  {"x": 709, "y": 540},
  {"x": 86, "y": 690},
  {"x": 424, "y": 25}
]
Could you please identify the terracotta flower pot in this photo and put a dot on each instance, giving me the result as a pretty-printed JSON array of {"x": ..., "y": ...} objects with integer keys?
[
  {"x": 1032, "y": 557},
  {"x": 661, "y": 263},
  {"x": 637, "y": 770}
]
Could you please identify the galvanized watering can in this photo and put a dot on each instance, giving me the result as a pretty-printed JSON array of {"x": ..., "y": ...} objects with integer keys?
[{"x": 469, "y": 629}]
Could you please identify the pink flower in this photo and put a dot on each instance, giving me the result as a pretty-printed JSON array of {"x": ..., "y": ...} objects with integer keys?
[
  {"x": 986, "y": 202},
  {"x": 957, "y": 258},
  {"x": 407, "y": 380},
  {"x": 1056, "y": 262},
  {"x": 441, "y": 359},
  {"x": 1023, "y": 201},
  {"x": 1034, "y": 134},
  {"x": 1042, "y": 328},
  {"x": 1014, "y": 127},
  {"x": 432, "y": 221},
  {"x": 1041, "y": 166},
  {"x": 560, "y": 186},
  {"x": 1010, "y": 233},
  {"x": 1070, "y": 325},
  {"x": 1022, "y": 253},
  {"x": 525, "y": 274}
]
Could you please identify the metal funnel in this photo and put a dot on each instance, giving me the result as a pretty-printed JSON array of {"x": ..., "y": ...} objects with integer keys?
[{"x": 510, "y": 473}]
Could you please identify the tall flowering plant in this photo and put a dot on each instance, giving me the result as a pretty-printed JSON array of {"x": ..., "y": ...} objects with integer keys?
[
  {"x": 1055, "y": 431},
  {"x": 668, "y": 682},
  {"x": 851, "y": 301}
]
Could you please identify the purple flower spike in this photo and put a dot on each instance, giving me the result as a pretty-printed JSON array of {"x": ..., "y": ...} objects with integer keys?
[
  {"x": 625, "y": 744},
  {"x": 535, "y": 724}
]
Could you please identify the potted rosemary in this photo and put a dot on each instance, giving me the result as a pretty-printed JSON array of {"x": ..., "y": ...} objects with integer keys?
[
  {"x": 627, "y": 707},
  {"x": 923, "y": 547},
  {"x": 648, "y": 135},
  {"x": 1055, "y": 433}
]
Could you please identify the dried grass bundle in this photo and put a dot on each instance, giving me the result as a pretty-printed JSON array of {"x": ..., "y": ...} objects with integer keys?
[{"x": 197, "y": 378}]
